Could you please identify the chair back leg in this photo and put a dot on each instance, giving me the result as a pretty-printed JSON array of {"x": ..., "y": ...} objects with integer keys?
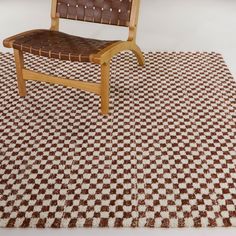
[
  {"x": 19, "y": 60},
  {"x": 138, "y": 53},
  {"x": 105, "y": 80}
]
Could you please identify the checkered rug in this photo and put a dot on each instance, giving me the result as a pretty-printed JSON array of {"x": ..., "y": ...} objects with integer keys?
[{"x": 165, "y": 157}]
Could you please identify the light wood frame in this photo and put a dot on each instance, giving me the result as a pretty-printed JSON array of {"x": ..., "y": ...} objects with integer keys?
[{"x": 102, "y": 58}]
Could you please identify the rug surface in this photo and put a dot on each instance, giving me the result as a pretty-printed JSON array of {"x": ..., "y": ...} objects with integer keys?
[{"x": 165, "y": 157}]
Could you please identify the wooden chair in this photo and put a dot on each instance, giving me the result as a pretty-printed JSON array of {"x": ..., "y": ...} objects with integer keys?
[{"x": 54, "y": 44}]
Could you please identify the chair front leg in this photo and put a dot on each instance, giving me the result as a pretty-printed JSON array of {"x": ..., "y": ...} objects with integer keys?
[
  {"x": 105, "y": 88},
  {"x": 19, "y": 60}
]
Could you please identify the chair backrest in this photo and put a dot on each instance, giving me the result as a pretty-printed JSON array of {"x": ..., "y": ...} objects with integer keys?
[{"x": 113, "y": 12}]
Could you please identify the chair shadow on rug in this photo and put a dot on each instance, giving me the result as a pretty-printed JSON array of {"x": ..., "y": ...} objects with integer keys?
[{"x": 55, "y": 44}]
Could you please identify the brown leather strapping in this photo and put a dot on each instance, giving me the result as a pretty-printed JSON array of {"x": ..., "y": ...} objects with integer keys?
[
  {"x": 113, "y": 12},
  {"x": 54, "y": 44}
]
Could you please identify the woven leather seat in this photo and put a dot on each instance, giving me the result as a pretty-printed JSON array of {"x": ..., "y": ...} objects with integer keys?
[{"x": 54, "y": 44}]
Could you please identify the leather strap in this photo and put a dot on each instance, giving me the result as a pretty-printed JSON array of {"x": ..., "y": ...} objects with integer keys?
[{"x": 113, "y": 12}]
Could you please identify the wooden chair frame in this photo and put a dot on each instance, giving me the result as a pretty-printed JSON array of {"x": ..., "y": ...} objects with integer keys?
[{"x": 102, "y": 58}]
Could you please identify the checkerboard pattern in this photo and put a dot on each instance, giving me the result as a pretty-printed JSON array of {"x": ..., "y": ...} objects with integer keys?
[{"x": 164, "y": 157}]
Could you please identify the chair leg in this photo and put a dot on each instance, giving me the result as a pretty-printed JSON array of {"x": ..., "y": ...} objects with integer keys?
[
  {"x": 19, "y": 60},
  {"x": 138, "y": 53},
  {"x": 105, "y": 87}
]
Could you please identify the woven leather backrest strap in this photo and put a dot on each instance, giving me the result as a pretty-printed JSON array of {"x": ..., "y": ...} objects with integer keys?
[{"x": 113, "y": 12}]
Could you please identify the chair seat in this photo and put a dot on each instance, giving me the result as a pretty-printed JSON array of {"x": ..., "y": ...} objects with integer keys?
[{"x": 58, "y": 45}]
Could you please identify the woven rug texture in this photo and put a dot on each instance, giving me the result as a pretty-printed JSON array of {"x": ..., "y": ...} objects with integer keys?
[{"x": 164, "y": 157}]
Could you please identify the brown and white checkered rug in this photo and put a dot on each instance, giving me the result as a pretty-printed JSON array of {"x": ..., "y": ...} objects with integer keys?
[{"x": 165, "y": 157}]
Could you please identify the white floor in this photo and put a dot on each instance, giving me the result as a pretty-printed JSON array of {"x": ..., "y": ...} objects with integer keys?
[
  {"x": 119, "y": 232},
  {"x": 165, "y": 25}
]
